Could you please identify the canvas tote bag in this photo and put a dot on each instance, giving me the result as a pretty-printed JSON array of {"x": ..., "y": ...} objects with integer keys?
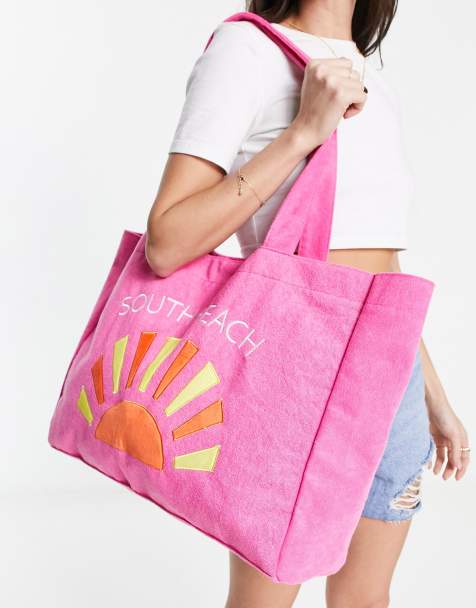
[{"x": 251, "y": 398}]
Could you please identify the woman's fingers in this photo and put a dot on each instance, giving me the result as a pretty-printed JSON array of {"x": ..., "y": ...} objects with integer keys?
[
  {"x": 333, "y": 62},
  {"x": 451, "y": 439},
  {"x": 454, "y": 454},
  {"x": 451, "y": 460},
  {"x": 341, "y": 67},
  {"x": 353, "y": 109},
  {"x": 457, "y": 460},
  {"x": 440, "y": 458},
  {"x": 463, "y": 456},
  {"x": 460, "y": 472},
  {"x": 450, "y": 465},
  {"x": 345, "y": 73},
  {"x": 357, "y": 97}
]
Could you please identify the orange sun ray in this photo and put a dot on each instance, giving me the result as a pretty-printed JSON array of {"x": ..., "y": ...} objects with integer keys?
[
  {"x": 188, "y": 350},
  {"x": 145, "y": 341},
  {"x": 212, "y": 414},
  {"x": 98, "y": 379}
]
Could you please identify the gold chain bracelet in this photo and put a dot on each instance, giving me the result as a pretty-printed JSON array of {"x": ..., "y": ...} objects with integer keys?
[{"x": 241, "y": 178}]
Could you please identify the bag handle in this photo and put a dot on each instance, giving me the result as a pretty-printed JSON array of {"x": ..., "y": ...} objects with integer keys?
[{"x": 304, "y": 218}]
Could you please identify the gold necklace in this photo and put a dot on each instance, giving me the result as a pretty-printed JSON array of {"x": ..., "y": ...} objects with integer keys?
[{"x": 362, "y": 75}]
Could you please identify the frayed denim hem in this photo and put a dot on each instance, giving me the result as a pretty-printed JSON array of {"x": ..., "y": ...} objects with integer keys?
[{"x": 393, "y": 506}]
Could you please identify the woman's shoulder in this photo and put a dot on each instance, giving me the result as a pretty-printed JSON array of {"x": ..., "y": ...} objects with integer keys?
[
  {"x": 242, "y": 42},
  {"x": 240, "y": 52},
  {"x": 233, "y": 56},
  {"x": 239, "y": 30},
  {"x": 246, "y": 38}
]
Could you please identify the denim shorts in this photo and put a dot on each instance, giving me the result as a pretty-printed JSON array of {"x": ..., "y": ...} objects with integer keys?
[{"x": 395, "y": 493}]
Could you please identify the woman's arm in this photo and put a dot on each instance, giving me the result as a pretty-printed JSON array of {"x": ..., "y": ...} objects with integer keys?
[
  {"x": 447, "y": 429},
  {"x": 197, "y": 207}
]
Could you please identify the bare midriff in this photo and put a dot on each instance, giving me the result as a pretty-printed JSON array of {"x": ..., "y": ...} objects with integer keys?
[{"x": 371, "y": 260}]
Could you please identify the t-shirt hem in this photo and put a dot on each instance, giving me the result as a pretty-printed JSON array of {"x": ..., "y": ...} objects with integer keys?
[
  {"x": 343, "y": 242},
  {"x": 398, "y": 242}
]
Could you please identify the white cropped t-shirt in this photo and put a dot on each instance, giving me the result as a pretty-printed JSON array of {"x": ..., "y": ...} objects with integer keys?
[{"x": 243, "y": 92}]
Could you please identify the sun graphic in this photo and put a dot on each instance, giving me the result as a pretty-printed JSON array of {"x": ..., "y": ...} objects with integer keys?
[{"x": 129, "y": 426}]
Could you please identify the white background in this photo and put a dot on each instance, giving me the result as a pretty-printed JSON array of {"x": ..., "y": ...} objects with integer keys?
[{"x": 91, "y": 93}]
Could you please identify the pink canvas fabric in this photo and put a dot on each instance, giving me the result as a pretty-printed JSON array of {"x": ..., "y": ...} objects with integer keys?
[{"x": 252, "y": 398}]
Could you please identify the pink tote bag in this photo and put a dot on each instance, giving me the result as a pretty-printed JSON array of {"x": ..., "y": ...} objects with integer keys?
[{"x": 251, "y": 398}]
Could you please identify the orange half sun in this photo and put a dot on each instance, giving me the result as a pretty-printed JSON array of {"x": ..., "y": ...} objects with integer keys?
[{"x": 129, "y": 427}]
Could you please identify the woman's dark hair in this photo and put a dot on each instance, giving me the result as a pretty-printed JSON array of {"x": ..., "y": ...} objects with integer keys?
[{"x": 370, "y": 21}]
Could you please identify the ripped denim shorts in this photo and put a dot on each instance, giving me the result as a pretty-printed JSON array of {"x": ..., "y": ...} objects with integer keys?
[{"x": 395, "y": 493}]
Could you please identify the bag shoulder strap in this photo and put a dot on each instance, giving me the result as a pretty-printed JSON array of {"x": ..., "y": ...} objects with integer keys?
[
  {"x": 304, "y": 218},
  {"x": 293, "y": 52}
]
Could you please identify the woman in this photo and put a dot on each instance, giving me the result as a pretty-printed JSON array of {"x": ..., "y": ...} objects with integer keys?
[{"x": 247, "y": 108}]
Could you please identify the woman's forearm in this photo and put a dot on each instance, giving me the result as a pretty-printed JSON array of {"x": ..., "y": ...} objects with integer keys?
[
  {"x": 200, "y": 222},
  {"x": 435, "y": 395}
]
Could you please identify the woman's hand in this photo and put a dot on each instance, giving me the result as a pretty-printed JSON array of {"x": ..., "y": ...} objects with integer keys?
[
  {"x": 450, "y": 436},
  {"x": 446, "y": 428},
  {"x": 331, "y": 89}
]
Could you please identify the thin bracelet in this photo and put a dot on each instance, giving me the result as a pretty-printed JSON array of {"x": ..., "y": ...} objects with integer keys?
[{"x": 241, "y": 178}]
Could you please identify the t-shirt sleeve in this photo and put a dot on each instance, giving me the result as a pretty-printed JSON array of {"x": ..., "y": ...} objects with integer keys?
[{"x": 223, "y": 97}]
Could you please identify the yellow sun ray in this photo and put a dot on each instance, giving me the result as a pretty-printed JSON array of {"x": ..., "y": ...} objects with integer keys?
[
  {"x": 117, "y": 361},
  {"x": 83, "y": 405},
  {"x": 168, "y": 347},
  {"x": 202, "y": 460},
  {"x": 201, "y": 382}
]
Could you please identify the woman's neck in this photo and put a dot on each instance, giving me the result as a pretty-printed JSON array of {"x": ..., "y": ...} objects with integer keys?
[{"x": 326, "y": 18}]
